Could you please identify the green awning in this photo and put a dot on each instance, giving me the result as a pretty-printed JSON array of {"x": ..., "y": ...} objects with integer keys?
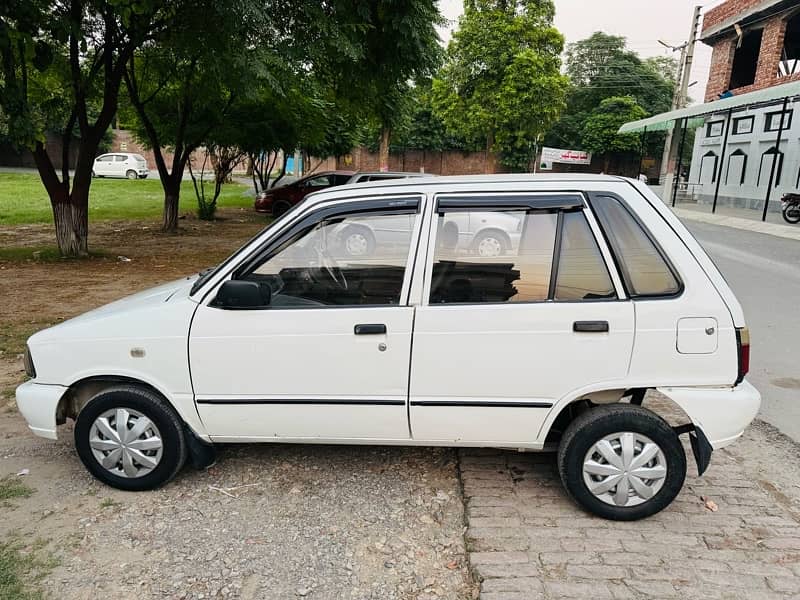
[{"x": 666, "y": 120}]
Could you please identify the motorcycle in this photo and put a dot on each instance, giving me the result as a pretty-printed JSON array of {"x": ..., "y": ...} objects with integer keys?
[{"x": 791, "y": 208}]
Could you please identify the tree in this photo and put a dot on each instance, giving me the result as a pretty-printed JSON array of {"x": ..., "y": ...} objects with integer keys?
[
  {"x": 601, "y": 67},
  {"x": 400, "y": 44},
  {"x": 419, "y": 127},
  {"x": 185, "y": 86},
  {"x": 62, "y": 67},
  {"x": 501, "y": 82},
  {"x": 600, "y": 131}
]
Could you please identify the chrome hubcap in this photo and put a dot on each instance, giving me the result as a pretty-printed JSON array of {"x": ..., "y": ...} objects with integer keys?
[
  {"x": 356, "y": 244},
  {"x": 490, "y": 247},
  {"x": 624, "y": 469},
  {"x": 125, "y": 442}
]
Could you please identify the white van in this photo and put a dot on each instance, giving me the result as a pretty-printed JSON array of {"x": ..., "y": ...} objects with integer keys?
[
  {"x": 120, "y": 164},
  {"x": 549, "y": 345}
]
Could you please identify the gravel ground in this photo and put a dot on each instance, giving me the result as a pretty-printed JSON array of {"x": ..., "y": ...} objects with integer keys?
[{"x": 268, "y": 521}]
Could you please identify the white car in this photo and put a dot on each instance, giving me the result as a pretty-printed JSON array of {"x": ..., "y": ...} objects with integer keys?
[
  {"x": 120, "y": 164},
  {"x": 550, "y": 346},
  {"x": 488, "y": 234}
]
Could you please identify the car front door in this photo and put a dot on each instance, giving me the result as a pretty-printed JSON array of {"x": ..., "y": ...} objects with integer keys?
[
  {"x": 327, "y": 356},
  {"x": 498, "y": 340}
]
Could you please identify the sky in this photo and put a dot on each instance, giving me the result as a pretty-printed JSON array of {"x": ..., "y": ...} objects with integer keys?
[{"x": 642, "y": 22}]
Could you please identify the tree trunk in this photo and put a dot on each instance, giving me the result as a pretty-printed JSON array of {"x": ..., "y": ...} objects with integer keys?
[
  {"x": 172, "y": 195},
  {"x": 383, "y": 152},
  {"x": 71, "y": 218},
  {"x": 489, "y": 145}
]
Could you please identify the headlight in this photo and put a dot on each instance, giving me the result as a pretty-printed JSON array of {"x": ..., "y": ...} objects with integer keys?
[{"x": 29, "y": 368}]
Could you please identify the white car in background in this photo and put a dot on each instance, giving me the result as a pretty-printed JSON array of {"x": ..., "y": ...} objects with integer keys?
[
  {"x": 488, "y": 235},
  {"x": 120, "y": 164}
]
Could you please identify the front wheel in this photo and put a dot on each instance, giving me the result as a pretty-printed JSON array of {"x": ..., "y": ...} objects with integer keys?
[
  {"x": 132, "y": 175},
  {"x": 130, "y": 438},
  {"x": 490, "y": 244},
  {"x": 621, "y": 462},
  {"x": 791, "y": 214}
]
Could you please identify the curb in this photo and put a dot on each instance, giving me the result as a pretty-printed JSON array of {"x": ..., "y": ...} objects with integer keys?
[{"x": 781, "y": 231}]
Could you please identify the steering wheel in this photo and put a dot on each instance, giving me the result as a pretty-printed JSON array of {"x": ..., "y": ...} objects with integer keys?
[{"x": 332, "y": 269}]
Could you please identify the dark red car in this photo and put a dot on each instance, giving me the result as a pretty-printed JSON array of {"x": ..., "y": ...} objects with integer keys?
[{"x": 277, "y": 201}]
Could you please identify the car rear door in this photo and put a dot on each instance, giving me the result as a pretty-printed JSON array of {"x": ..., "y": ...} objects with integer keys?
[
  {"x": 328, "y": 357},
  {"x": 499, "y": 340}
]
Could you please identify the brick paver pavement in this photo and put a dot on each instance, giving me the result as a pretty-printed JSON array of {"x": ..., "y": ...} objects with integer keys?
[{"x": 527, "y": 540}]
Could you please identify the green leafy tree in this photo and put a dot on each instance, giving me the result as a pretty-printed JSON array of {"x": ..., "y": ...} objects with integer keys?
[
  {"x": 62, "y": 67},
  {"x": 501, "y": 83},
  {"x": 399, "y": 44},
  {"x": 186, "y": 86},
  {"x": 600, "y": 131},
  {"x": 600, "y": 67}
]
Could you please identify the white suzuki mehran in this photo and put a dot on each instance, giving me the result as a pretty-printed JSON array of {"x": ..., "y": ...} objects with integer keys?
[{"x": 550, "y": 344}]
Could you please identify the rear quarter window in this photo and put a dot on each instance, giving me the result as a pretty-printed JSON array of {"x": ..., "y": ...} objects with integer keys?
[{"x": 645, "y": 269}]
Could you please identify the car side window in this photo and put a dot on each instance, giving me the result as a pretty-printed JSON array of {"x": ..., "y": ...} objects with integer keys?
[
  {"x": 517, "y": 255},
  {"x": 485, "y": 256},
  {"x": 644, "y": 269},
  {"x": 120, "y": 158},
  {"x": 105, "y": 158},
  {"x": 321, "y": 181},
  {"x": 356, "y": 259},
  {"x": 582, "y": 271}
]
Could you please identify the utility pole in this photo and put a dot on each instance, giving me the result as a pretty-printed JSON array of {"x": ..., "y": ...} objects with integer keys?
[{"x": 679, "y": 101}]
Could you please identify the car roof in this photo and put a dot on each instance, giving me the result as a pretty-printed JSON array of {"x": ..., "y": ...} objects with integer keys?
[
  {"x": 320, "y": 173},
  {"x": 417, "y": 184},
  {"x": 390, "y": 173}
]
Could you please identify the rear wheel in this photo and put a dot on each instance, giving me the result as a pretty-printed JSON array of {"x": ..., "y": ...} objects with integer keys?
[
  {"x": 621, "y": 462},
  {"x": 132, "y": 174},
  {"x": 130, "y": 438},
  {"x": 358, "y": 241},
  {"x": 791, "y": 214}
]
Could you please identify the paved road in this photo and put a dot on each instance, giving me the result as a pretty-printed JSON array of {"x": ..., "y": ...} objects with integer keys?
[{"x": 764, "y": 272}]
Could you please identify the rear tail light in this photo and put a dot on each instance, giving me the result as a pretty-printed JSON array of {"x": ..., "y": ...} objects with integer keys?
[{"x": 743, "y": 344}]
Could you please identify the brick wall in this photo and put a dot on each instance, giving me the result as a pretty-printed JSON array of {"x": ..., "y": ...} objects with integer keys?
[
  {"x": 719, "y": 75},
  {"x": 725, "y": 11},
  {"x": 768, "y": 59},
  {"x": 451, "y": 162},
  {"x": 125, "y": 142}
]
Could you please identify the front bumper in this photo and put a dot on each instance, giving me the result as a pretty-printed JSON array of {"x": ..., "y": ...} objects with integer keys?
[
  {"x": 38, "y": 403},
  {"x": 721, "y": 413}
]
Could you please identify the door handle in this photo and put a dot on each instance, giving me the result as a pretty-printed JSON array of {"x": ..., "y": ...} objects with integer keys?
[
  {"x": 370, "y": 329},
  {"x": 590, "y": 326}
]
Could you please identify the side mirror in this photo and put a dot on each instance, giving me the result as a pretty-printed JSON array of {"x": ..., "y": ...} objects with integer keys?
[{"x": 235, "y": 294}]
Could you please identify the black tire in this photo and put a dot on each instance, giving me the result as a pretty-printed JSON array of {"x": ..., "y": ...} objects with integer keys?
[
  {"x": 365, "y": 235},
  {"x": 599, "y": 422},
  {"x": 279, "y": 208},
  {"x": 162, "y": 415},
  {"x": 132, "y": 175},
  {"x": 501, "y": 238},
  {"x": 794, "y": 211},
  {"x": 94, "y": 175}
]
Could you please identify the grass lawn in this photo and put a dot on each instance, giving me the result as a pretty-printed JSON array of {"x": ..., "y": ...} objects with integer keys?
[{"x": 23, "y": 199}]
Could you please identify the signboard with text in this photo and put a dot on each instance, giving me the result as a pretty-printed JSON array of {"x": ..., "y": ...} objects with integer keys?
[{"x": 572, "y": 157}]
